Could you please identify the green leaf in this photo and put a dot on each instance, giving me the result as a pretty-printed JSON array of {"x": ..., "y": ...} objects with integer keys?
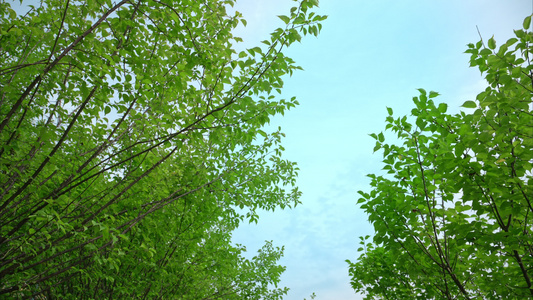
[
  {"x": 527, "y": 22},
  {"x": 469, "y": 104},
  {"x": 511, "y": 41},
  {"x": 285, "y": 19},
  {"x": 433, "y": 94},
  {"x": 492, "y": 43},
  {"x": 381, "y": 138}
]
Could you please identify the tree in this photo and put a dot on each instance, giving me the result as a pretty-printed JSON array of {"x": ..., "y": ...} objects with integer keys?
[
  {"x": 132, "y": 146},
  {"x": 453, "y": 217}
]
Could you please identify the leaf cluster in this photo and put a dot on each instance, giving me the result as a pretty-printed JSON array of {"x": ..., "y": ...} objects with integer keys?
[
  {"x": 132, "y": 145},
  {"x": 453, "y": 215}
]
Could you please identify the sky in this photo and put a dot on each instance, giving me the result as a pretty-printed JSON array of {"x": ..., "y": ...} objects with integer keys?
[{"x": 370, "y": 55}]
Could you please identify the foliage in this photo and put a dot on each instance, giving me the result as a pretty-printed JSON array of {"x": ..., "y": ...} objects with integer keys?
[
  {"x": 131, "y": 147},
  {"x": 453, "y": 218}
]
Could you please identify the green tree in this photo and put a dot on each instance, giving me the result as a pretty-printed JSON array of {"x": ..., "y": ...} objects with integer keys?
[
  {"x": 453, "y": 217},
  {"x": 131, "y": 146}
]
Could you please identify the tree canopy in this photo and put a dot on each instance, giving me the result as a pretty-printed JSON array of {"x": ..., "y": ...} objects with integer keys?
[
  {"x": 131, "y": 145},
  {"x": 453, "y": 216}
]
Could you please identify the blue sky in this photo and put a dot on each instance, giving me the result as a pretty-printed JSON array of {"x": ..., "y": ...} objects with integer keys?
[{"x": 370, "y": 55}]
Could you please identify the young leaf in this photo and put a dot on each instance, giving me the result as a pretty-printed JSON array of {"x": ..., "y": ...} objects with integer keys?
[
  {"x": 527, "y": 22},
  {"x": 469, "y": 104},
  {"x": 492, "y": 43},
  {"x": 285, "y": 19}
]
